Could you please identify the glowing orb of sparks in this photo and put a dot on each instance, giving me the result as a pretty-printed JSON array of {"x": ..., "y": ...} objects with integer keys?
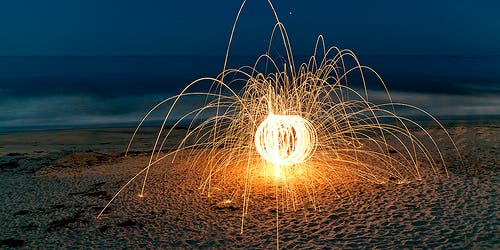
[{"x": 285, "y": 140}]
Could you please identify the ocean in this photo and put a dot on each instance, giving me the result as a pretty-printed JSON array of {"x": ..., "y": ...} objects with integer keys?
[{"x": 91, "y": 91}]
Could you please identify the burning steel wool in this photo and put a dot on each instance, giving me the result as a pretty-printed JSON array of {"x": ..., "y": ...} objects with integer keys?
[
  {"x": 296, "y": 129},
  {"x": 285, "y": 140}
]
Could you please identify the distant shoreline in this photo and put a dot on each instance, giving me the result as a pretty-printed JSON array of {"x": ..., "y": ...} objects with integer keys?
[{"x": 453, "y": 120}]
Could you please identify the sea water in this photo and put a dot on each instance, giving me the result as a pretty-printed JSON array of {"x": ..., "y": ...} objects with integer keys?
[{"x": 69, "y": 92}]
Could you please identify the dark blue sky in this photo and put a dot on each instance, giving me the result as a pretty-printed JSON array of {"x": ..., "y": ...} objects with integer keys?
[{"x": 154, "y": 27}]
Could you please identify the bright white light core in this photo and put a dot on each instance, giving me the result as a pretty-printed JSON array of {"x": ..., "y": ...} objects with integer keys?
[{"x": 285, "y": 140}]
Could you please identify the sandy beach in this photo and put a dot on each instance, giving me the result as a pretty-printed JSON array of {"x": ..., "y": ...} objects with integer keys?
[{"x": 55, "y": 183}]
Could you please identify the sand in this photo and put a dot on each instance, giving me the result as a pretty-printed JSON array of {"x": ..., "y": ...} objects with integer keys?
[{"x": 55, "y": 183}]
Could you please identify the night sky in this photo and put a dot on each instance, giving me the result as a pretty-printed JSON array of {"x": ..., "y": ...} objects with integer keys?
[{"x": 160, "y": 27}]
